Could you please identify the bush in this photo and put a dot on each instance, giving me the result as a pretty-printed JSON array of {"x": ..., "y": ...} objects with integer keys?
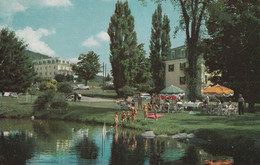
[
  {"x": 64, "y": 87},
  {"x": 46, "y": 85},
  {"x": 108, "y": 88},
  {"x": 144, "y": 87},
  {"x": 125, "y": 92},
  {"x": 49, "y": 101}
]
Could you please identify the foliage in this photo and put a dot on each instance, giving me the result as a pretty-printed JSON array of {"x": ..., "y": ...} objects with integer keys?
[
  {"x": 47, "y": 85},
  {"x": 16, "y": 69},
  {"x": 60, "y": 77},
  {"x": 159, "y": 47},
  {"x": 144, "y": 87},
  {"x": 64, "y": 87},
  {"x": 143, "y": 73},
  {"x": 232, "y": 51},
  {"x": 88, "y": 66},
  {"x": 108, "y": 78},
  {"x": 125, "y": 92},
  {"x": 49, "y": 101},
  {"x": 124, "y": 50}
]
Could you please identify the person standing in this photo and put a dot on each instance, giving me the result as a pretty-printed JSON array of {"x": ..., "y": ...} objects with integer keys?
[
  {"x": 155, "y": 109},
  {"x": 134, "y": 112},
  {"x": 139, "y": 99},
  {"x": 145, "y": 109},
  {"x": 240, "y": 104}
]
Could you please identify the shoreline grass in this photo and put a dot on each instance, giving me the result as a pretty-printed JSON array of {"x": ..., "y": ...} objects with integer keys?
[{"x": 247, "y": 125}]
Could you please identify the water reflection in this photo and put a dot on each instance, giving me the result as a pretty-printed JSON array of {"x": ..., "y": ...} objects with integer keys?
[
  {"x": 56, "y": 142},
  {"x": 16, "y": 147}
]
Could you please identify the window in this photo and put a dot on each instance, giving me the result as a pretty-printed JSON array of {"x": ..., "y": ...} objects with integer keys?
[
  {"x": 44, "y": 62},
  {"x": 206, "y": 79},
  {"x": 171, "y": 68},
  {"x": 182, "y": 80},
  {"x": 182, "y": 66}
]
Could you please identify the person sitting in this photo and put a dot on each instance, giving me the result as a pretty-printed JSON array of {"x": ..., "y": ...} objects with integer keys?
[
  {"x": 166, "y": 106},
  {"x": 231, "y": 108}
]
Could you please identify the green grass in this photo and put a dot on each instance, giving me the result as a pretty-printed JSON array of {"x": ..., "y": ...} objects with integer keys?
[{"x": 247, "y": 125}]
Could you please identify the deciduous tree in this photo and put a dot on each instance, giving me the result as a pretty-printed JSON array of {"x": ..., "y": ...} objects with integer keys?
[
  {"x": 232, "y": 50},
  {"x": 88, "y": 66}
]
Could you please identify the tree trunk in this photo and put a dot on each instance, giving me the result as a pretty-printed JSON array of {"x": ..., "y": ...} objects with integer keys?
[{"x": 192, "y": 71}]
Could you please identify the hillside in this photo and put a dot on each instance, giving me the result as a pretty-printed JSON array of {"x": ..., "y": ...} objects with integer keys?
[{"x": 35, "y": 56}]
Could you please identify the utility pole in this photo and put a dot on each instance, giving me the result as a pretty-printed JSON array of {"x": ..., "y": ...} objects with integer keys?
[{"x": 103, "y": 75}]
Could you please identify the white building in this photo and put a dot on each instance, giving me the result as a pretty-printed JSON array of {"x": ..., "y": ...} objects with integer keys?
[
  {"x": 49, "y": 67},
  {"x": 176, "y": 63}
]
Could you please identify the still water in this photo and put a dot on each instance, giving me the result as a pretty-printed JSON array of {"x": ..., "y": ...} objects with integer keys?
[{"x": 57, "y": 142}]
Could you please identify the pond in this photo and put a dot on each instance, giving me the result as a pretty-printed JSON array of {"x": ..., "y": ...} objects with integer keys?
[{"x": 59, "y": 142}]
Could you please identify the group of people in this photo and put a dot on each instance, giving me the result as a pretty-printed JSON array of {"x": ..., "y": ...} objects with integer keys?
[
  {"x": 77, "y": 96},
  {"x": 125, "y": 116},
  {"x": 230, "y": 106}
]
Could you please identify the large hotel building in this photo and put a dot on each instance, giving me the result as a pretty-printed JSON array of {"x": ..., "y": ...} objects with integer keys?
[{"x": 49, "y": 67}]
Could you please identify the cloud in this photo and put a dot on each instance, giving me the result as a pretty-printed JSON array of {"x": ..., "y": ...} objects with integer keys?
[
  {"x": 90, "y": 42},
  {"x": 10, "y": 7},
  {"x": 103, "y": 36},
  {"x": 33, "y": 39},
  {"x": 94, "y": 41},
  {"x": 57, "y": 3}
]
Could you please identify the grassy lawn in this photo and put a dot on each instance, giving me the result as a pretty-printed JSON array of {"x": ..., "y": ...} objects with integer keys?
[{"x": 247, "y": 125}]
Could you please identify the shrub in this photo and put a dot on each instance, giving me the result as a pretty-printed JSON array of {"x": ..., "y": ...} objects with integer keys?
[
  {"x": 46, "y": 85},
  {"x": 125, "y": 92},
  {"x": 49, "y": 101},
  {"x": 144, "y": 87},
  {"x": 64, "y": 87}
]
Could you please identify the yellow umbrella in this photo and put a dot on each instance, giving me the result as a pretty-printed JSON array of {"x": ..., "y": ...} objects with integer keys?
[{"x": 218, "y": 90}]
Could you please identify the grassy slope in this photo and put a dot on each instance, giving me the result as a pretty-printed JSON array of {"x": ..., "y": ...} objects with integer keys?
[{"x": 247, "y": 125}]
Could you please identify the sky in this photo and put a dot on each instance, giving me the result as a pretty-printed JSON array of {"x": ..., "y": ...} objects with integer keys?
[{"x": 68, "y": 28}]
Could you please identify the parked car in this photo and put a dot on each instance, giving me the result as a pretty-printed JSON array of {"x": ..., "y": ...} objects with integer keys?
[
  {"x": 144, "y": 96},
  {"x": 80, "y": 87}
]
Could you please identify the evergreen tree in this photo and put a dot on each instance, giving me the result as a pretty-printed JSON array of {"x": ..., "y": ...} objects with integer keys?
[
  {"x": 159, "y": 47},
  {"x": 88, "y": 66},
  {"x": 16, "y": 69},
  {"x": 123, "y": 46}
]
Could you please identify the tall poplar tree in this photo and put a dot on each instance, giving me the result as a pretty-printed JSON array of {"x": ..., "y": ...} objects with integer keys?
[
  {"x": 159, "y": 47},
  {"x": 123, "y": 46}
]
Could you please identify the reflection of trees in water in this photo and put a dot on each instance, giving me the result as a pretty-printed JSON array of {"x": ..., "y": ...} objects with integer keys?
[
  {"x": 191, "y": 156},
  {"x": 16, "y": 149},
  {"x": 157, "y": 148},
  {"x": 127, "y": 149},
  {"x": 242, "y": 149},
  {"x": 87, "y": 149}
]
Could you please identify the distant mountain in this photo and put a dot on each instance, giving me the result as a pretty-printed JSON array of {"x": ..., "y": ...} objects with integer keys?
[{"x": 35, "y": 56}]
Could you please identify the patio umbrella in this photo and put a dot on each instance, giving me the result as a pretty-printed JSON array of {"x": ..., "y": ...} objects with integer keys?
[
  {"x": 172, "y": 90},
  {"x": 218, "y": 90}
]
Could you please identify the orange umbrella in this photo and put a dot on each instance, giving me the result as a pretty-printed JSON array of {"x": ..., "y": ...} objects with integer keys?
[{"x": 219, "y": 90}]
